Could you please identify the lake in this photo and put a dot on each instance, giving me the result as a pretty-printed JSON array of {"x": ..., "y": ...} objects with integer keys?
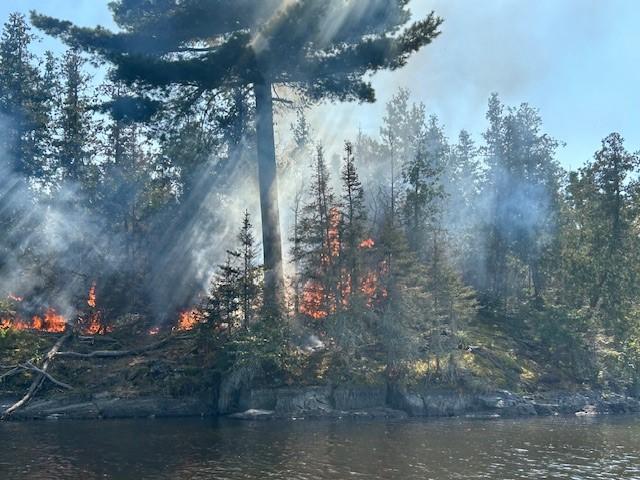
[{"x": 189, "y": 449}]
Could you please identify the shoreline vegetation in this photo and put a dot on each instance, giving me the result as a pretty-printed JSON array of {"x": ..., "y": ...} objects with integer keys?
[
  {"x": 415, "y": 274},
  {"x": 162, "y": 380}
]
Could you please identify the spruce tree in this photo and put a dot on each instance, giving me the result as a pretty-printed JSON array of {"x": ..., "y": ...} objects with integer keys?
[
  {"x": 522, "y": 185},
  {"x": 323, "y": 49},
  {"x": 318, "y": 244},
  {"x": 248, "y": 275},
  {"x": 77, "y": 139},
  {"x": 352, "y": 222},
  {"x": 23, "y": 100}
]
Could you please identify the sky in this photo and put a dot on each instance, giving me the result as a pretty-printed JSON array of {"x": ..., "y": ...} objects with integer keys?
[{"x": 577, "y": 61}]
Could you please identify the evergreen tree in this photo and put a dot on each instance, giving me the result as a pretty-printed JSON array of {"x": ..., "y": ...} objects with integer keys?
[
  {"x": 324, "y": 49},
  {"x": 402, "y": 136},
  {"x": 318, "y": 241},
  {"x": 77, "y": 139},
  {"x": 23, "y": 102},
  {"x": 464, "y": 208},
  {"x": 352, "y": 222},
  {"x": 522, "y": 186},
  {"x": 603, "y": 199},
  {"x": 223, "y": 302},
  {"x": 248, "y": 271},
  {"x": 301, "y": 131}
]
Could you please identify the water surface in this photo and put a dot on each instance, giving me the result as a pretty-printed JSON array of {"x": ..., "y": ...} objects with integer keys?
[{"x": 191, "y": 449}]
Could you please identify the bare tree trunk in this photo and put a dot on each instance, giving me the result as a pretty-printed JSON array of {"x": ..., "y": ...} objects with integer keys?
[
  {"x": 41, "y": 375},
  {"x": 268, "y": 179}
]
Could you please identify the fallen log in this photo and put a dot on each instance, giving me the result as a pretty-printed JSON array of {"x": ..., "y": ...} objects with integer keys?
[
  {"x": 37, "y": 382},
  {"x": 115, "y": 353}
]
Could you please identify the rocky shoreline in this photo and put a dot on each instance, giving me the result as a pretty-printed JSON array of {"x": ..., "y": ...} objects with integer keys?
[{"x": 333, "y": 402}]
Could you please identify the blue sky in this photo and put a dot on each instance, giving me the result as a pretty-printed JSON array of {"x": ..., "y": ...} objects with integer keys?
[{"x": 578, "y": 61}]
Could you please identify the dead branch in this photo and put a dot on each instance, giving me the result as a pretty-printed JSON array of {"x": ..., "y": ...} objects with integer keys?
[
  {"x": 11, "y": 372},
  {"x": 32, "y": 367},
  {"x": 37, "y": 382},
  {"x": 115, "y": 353}
]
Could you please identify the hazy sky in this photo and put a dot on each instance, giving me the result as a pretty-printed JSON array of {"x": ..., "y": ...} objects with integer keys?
[{"x": 578, "y": 61}]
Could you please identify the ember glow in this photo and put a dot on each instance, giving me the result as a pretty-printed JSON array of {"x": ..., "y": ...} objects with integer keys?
[
  {"x": 154, "y": 331},
  {"x": 368, "y": 243},
  {"x": 94, "y": 326},
  {"x": 188, "y": 320},
  {"x": 334, "y": 232},
  {"x": 312, "y": 301},
  {"x": 317, "y": 304},
  {"x": 91, "y": 301}
]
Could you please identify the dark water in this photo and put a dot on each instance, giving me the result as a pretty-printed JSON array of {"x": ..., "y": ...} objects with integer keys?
[{"x": 571, "y": 448}]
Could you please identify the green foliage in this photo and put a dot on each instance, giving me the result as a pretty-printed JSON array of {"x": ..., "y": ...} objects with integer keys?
[{"x": 161, "y": 43}]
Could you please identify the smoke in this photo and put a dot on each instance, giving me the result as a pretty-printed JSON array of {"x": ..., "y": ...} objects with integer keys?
[
  {"x": 201, "y": 229},
  {"x": 50, "y": 245}
]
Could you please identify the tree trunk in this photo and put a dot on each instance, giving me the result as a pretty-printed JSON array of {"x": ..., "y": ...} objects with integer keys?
[{"x": 268, "y": 179}]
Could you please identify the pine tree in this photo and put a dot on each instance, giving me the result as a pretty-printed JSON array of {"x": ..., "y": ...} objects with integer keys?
[
  {"x": 324, "y": 49},
  {"x": 223, "y": 303},
  {"x": 464, "y": 208},
  {"x": 318, "y": 241},
  {"x": 402, "y": 136},
  {"x": 77, "y": 139},
  {"x": 248, "y": 274},
  {"x": 522, "y": 186},
  {"x": 301, "y": 131},
  {"x": 352, "y": 222},
  {"x": 23, "y": 103},
  {"x": 603, "y": 196}
]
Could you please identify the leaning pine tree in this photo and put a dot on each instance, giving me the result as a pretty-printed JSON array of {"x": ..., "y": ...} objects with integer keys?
[{"x": 322, "y": 49}]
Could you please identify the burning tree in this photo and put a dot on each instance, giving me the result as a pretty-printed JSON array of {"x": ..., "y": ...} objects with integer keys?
[{"x": 322, "y": 49}]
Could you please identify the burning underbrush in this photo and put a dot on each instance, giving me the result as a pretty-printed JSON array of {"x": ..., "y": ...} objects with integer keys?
[{"x": 19, "y": 314}]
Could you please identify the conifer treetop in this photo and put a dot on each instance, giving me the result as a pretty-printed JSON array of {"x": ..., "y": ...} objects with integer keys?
[{"x": 324, "y": 48}]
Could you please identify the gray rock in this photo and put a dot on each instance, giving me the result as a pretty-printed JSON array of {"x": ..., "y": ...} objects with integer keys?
[
  {"x": 359, "y": 397},
  {"x": 259, "y": 399},
  {"x": 253, "y": 414},
  {"x": 300, "y": 401},
  {"x": 446, "y": 403},
  {"x": 410, "y": 402},
  {"x": 115, "y": 408}
]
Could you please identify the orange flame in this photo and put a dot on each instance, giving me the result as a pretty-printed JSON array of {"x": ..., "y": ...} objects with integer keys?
[
  {"x": 368, "y": 243},
  {"x": 16, "y": 324},
  {"x": 334, "y": 233},
  {"x": 94, "y": 327},
  {"x": 312, "y": 301},
  {"x": 188, "y": 320},
  {"x": 91, "y": 301},
  {"x": 51, "y": 322}
]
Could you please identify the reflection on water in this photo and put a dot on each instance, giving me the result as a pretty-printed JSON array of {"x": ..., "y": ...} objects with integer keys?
[{"x": 602, "y": 448}]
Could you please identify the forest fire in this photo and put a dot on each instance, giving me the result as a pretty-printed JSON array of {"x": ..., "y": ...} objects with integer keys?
[
  {"x": 188, "y": 320},
  {"x": 316, "y": 303},
  {"x": 333, "y": 236},
  {"x": 91, "y": 301},
  {"x": 368, "y": 243},
  {"x": 51, "y": 321},
  {"x": 312, "y": 301}
]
